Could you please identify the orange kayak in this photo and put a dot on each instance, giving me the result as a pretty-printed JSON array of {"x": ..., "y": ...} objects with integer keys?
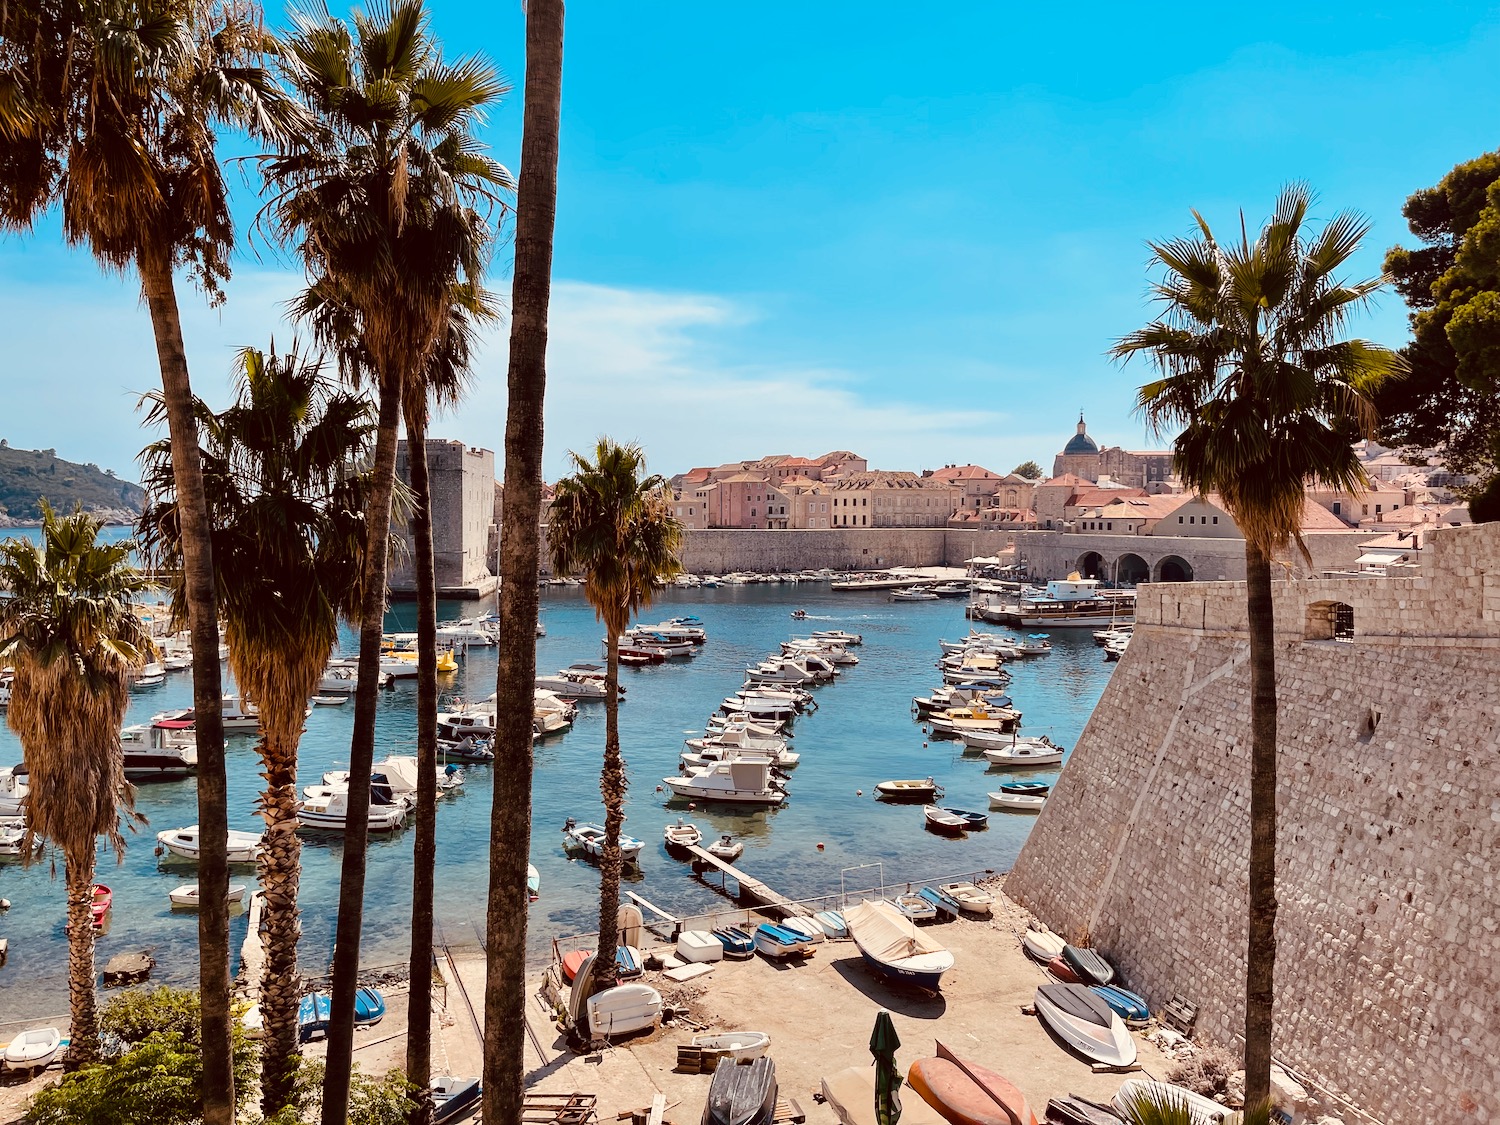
[
  {"x": 966, "y": 1093},
  {"x": 573, "y": 962}
]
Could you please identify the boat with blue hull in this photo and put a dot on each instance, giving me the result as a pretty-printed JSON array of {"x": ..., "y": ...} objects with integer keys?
[
  {"x": 1126, "y": 1004},
  {"x": 779, "y": 943},
  {"x": 894, "y": 949},
  {"x": 736, "y": 942}
]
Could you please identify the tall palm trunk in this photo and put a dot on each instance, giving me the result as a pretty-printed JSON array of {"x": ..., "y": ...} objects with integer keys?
[
  {"x": 361, "y": 758},
  {"x": 424, "y": 860},
  {"x": 1261, "y": 945},
  {"x": 203, "y": 619},
  {"x": 83, "y": 1012},
  {"x": 515, "y": 679},
  {"x": 612, "y": 789},
  {"x": 280, "y": 875}
]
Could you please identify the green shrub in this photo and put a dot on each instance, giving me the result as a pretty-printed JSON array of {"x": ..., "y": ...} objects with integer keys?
[{"x": 372, "y": 1101}]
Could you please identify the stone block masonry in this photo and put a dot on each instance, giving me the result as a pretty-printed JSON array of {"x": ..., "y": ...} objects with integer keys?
[{"x": 1388, "y": 963}]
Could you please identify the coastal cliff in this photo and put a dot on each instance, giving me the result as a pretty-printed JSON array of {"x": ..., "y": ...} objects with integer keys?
[{"x": 29, "y": 475}]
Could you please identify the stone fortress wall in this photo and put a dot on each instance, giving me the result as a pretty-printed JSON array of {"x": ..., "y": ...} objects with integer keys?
[{"x": 1388, "y": 967}]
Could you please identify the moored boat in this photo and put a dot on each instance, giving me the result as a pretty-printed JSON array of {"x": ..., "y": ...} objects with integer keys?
[
  {"x": 1025, "y": 755},
  {"x": 943, "y": 822},
  {"x": 682, "y": 834},
  {"x": 727, "y": 848},
  {"x": 1017, "y": 802},
  {"x": 589, "y": 839},
  {"x": 1082, "y": 1019},
  {"x": 973, "y": 821},
  {"x": 186, "y": 896},
  {"x": 894, "y": 949},
  {"x": 742, "y": 781},
  {"x": 244, "y": 847},
  {"x": 911, "y": 791},
  {"x": 103, "y": 899}
]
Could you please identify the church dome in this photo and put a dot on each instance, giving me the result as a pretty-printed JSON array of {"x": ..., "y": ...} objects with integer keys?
[{"x": 1080, "y": 443}]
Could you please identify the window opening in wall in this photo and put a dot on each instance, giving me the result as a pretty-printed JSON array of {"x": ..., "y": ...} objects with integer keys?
[{"x": 1343, "y": 622}]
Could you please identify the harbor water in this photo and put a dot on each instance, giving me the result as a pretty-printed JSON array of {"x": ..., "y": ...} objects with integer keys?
[{"x": 863, "y": 732}]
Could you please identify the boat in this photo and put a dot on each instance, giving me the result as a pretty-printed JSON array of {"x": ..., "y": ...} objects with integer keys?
[
  {"x": 699, "y": 947},
  {"x": 1203, "y": 1111},
  {"x": 573, "y": 961},
  {"x": 736, "y": 942},
  {"x": 1087, "y": 965},
  {"x": 980, "y": 740},
  {"x": 741, "y": 736},
  {"x": 1061, "y": 970},
  {"x": 741, "y": 1046},
  {"x": 894, "y": 949},
  {"x": 691, "y": 762},
  {"x": 327, "y": 807},
  {"x": 369, "y": 1007},
  {"x": 1067, "y": 602},
  {"x": 973, "y": 821},
  {"x": 151, "y": 675},
  {"x": 624, "y": 1009},
  {"x": 682, "y": 834},
  {"x": 944, "y": 903},
  {"x": 943, "y": 822},
  {"x": 1024, "y": 755},
  {"x": 799, "y": 615},
  {"x": 1082, "y": 1019},
  {"x": 913, "y": 594},
  {"x": 1017, "y": 802},
  {"x": 970, "y": 899},
  {"x": 804, "y": 925},
  {"x": 186, "y": 896},
  {"x": 244, "y": 847},
  {"x": 14, "y": 785},
  {"x": 727, "y": 848},
  {"x": 33, "y": 1049},
  {"x": 628, "y": 964},
  {"x": 453, "y": 1098},
  {"x": 1078, "y": 1110},
  {"x": 908, "y": 791},
  {"x": 850, "y": 1094},
  {"x": 312, "y": 1016},
  {"x": 951, "y": 589},
  {"x": 163, "y": 749},
  {"x": 1026, "y": 788},
  {"x": 912, "y": 905},
  {"x": 466, "y": 749},
  {"x": 13, "y": 840},
  {"x": 1042, "y": 945},
  {"x": 743, "y": 781},
  {"x": 838, "y": 636},
  {"x": 103, "y": 899},
  {"x": 833, "y": 924},
  {"x": 402, "y": 774},
  {"x": 533, "y": 883},
  {"x": 742, "y": 1095},
  {"x": 589, "y": 839},
  {"x": 330, "y": 700},
  {"x": 966, "y": 1093},
  {"x": 1127, "y": 1005},
  {"x": 779, "y": 943}
]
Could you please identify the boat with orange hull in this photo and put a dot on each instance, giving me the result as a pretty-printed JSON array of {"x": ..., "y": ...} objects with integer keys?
[{"x": 966, "y": 1093}]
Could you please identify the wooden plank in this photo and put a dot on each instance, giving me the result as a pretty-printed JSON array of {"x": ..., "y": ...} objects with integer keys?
[
  {"x": 688, "y": 972},
  {"x": 658, "y": 1110}
]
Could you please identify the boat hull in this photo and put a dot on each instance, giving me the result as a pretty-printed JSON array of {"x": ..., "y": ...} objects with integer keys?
[{"x": 929, "y": 979}]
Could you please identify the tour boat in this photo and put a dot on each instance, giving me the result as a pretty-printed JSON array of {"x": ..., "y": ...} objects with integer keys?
[
  {"x": 33, "y": 1049},
  {"x": 943, "y": 822},
  {"x": 910, "y": 790},
  {"x": 103, "y": 899},
  {"x": 741, "y": 782},
  {"x": 682, "y": 834},
  {"x": 727, "y": 848},
  {"x": 970, "y": 899},
  {"x": 1025, "y": 754},
  {"x": 1043, "y": 945},
  {"x": 186, "y": 896},
  {"x": 967, "y": 1093},
  {"x": 1201, "y": 1110},
  {"x": 1068, "y": 602},
  {"x": 244, "y": 847},
  {"x": 589, "y": 839},
  {"x": 893, "y": 947},
  {"x": 1082, "y": 1019},
  {"x": 164, "y": 749},
  {"x": 741, "y": 1046},
  {"x": 1087, "y": 965}
]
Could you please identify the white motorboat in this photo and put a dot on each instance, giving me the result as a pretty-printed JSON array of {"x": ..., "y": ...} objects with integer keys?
[
  {"x": 244, "y": 847},
  {"x": 741, "y": 1046},
  {"x": 727, "y": 848},
  {"x": 813, "y": 664},
  {"x": 1082, "y": 1019},
  {"x": 678, "y": 629},
  {"x": 151, "y": 675},
  {"x": 778, "y": 672},
  {"x": 401, "y": 773},
  {"x": 742, "y": 736},
  {"x": 1115, "y": 649},
  {"x": 1018, "y": 802},
  {"x": 970, "y": 899},
  {"x": 13, "y": 840},
  {"x": 1202, "y": 1111},
  {"x": 682, "y": 834},
  {"x": 589, "y": 839},
  {"x": 574, "y": 685},
  {"x": 482, "y": 632},
  {"x": 466, "y": 720},
  {"x": 913, "y": 594},
  {"x": 837, "y": 635},
  {"x": 162, "y": 749},
  {"x": 339, "y": 681},
  {"x": 760, "y": 707},
  {"x": 327, "y": 807},
  {"x": 1025, "y": 754},
  {"x": 977, "y": 739},
  {"x": 330, "y": 700},
  {"x": 14, "y": 785},
  {"x": 186, "y": 896},
  {"x": 1035, "y": 644},
  {"x": 743, "y": 781},
  {"x": 702, "y": 759},
  {"x": 33, "y": 1049}
]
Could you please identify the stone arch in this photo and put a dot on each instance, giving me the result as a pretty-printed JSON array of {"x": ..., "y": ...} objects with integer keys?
[
  {"x": 1131, "y": 570},
  {"x": 1330, "y": 621},
  {"x": 1174, "y": 568},
  {"x": 1091, "y": 564}
]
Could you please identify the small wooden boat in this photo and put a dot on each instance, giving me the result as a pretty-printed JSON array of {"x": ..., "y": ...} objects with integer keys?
[
  {"x": 1086, "y": 1023},
  {"x": 33, "y": 1049},
  {"x": 894, "y": 949},
  {"x": 312, "y": 1016},
  {"x": 1025, "y": 755},
  {"x": 1087, "y": 965},
  {"x": 103, "y": 899},
  {"x": 736, "y": 942},
  {"x": 628, "y": 963},
  {"x": 943, "y": 822},
  {"x": 1203, "y": 1111},
  {"x": 727, "y": 848},
  {"x": 741, "y": 1046},
  {"x": 973, "y": 821},
  {"x": 624, "y": 1009},
  {"x": 970, "y": 899},
  {"x": 1078, "y": 1110},
  {"x": 589, "y": 839},
  {"x": 682, "y": 835},
  {"x": 185, "y": 897},
  {"x": 1017, "y": 802},
  {"x": 1028, "y": 788},
  {"x": 742, "y": 1095},
  {"x": 915, "y": 792},
  {"x": 330, "y": 700},
  {"x": 369, "y": 1007},
  {"x": 915, "y": 907},
  {"x": 779, "y": 943},
  {"x": 806, "y": 927},
  {"x": 966, "y": 1093},
  {"x": 1126, "y": 1004},
  {"x": 1043, "y": 945},
  {"x": 572, "y": 962},
  {"x": 1063, "y": 971},
  {"x": 832, "y": 923},
  {"x": 452, "y": 1098},
  {"x": 944, "y": 903}
]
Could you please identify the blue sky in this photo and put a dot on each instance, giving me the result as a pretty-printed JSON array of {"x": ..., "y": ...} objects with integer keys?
[{"x": 909, "y": 231}]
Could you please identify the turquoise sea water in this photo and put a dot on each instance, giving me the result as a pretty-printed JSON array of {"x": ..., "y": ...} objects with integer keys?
[{"x": 862, "y": 733}]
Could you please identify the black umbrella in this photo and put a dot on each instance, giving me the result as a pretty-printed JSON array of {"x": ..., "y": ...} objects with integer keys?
[{"x": 883, "y": 1044}]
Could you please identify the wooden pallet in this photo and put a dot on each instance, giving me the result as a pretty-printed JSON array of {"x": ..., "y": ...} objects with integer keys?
[
  {"x": 788, "y": 1112},
  {"x": 560, "y": 1109}
]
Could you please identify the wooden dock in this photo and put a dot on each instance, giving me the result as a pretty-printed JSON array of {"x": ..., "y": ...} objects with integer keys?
[{"x": 749, "y": 887}]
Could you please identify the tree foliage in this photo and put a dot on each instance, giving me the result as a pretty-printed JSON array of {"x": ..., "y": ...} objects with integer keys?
[
  {"x": 1028, "y": 469},
  {"x": 1451, "y": 398}
]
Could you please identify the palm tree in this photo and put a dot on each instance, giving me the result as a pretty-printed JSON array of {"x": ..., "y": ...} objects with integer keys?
[
  {"x": 109, "y": 110},
  {"x": 70, "y": 631},
  {"x": 286, "y": 500},
  {"x": 380, "y": 197},
  {"x": 1256, "y": 370},
  {"x": 1162, "y": 1107},
  {"x": 618, "y": 531}
]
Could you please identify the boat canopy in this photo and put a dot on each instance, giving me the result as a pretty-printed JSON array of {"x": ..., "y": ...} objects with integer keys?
[{"x": 886, "y": 933}]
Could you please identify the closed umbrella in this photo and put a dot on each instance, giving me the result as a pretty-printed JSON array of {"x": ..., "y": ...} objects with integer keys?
[{"x": 883, "y": 1044}]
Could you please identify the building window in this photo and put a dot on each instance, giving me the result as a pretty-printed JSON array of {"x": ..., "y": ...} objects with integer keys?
[
  {"x": 1216, "y": 519},
  {"x": 752, "y": 513},
  {"x": 1338, "y": 507},
  {"x": 1110, "y": 526},
  {"x": 1179, "y": 520},
  {"x": 1366, "y": 508},
  {"x": 1377, "y": 509}
]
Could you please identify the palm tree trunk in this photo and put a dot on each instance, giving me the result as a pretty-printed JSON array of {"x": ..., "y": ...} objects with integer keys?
[
  {"x": 1260, "y": 969},
  {"x": 361, "y": 757},
  {"x": 280, "y": 875},
  {"x": 515, "y": 679},
  {"x": 424, "y": 860},
  {"x": 203, "y": 618},
  {"x": 83, "y": 1027},
  {"x": 612, "y": 789}
]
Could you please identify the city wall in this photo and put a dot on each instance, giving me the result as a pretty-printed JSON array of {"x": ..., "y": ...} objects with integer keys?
[{"x": 1388, "y": 967}]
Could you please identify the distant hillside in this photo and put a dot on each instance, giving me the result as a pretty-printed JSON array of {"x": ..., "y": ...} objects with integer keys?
[{"x": 27, "y": 475}]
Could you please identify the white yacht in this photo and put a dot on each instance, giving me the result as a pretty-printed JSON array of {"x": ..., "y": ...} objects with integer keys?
[
  {"x": 400, "y": 772},
  {"x": 783, "y": 671},
  {"x": 743, "y": 781},
  {"x": 327, "y": 807},
  {"x": 742, "y": 736},
  {"x": 162, "y": 749},
  {"x": 14, "y": 785},
  {"x": 576, "y": 682},
  {"x": 838, "y": 636},
  {"x": 244, "y": 847},
  {"x": 695, "y": 760}
]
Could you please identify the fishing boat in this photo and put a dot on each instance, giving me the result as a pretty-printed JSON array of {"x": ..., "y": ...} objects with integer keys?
[
  {"x": 909, "y": 791},
  {"x": 944, "y": 903},
  {"x": 966, "y": 1093},
  {"x": 243, "y": 847},
  {"x": 743, "y": 781},
  {"x": 1087, "y": 965},
  {"x": 833, "y": 924},
  {"x": 589, "y": 839},
  {"x": 741, "y": 1046},
  {"x": 163, "y": 749},
  {"x": 624, "y": 1009},
  {"x": 1082, "y": 1019},
  {"x": 312, "y": 1015},
  {"x": 330, "y": 700},
  {"x": 727, "y": 848},
  {"x": 970, "y": 899},
  {"x": 736, "y": 942},
  {"x": 779, "y": 944},
  {"x": 1202, "y": 1111},
  {"x": 369, "y": 1007},
  {"x": 186, "y": 896},
  {"x": 1024, "y": 755},
  {"x": 99, "y": 906},
  {"x": 742, "y": 1095},
  {"x": 894, "y": 949},
  {"x": 453, "y": 1098},
  {"x": 1042, "y": 945},
  {"x": 33, "y": 1049},
  {"x": 973, "y": 821},
  {"x": 682, "y": 835},
  {"x": 1127, "y": 1005},
  {"x": 943, "y": 822}
]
